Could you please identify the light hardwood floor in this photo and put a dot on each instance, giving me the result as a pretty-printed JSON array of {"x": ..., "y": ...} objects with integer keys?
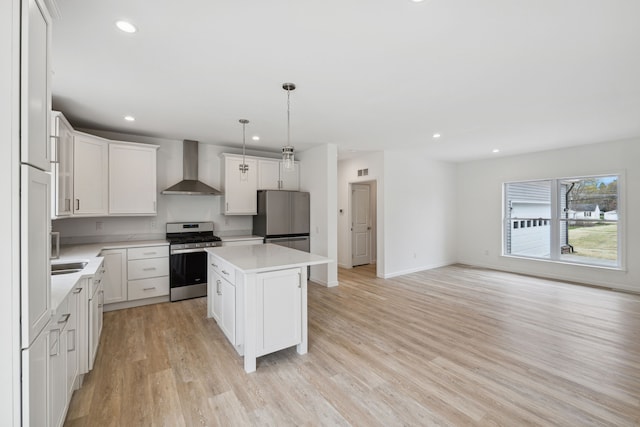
[{"x": 450, "y": 346}]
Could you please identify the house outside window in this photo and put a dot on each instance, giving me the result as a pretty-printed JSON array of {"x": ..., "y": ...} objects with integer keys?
[{"x": 574, "y": 220}]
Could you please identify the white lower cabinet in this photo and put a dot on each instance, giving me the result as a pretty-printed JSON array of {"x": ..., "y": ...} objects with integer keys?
[
  {"x": 222, "y": 297},
  {"x": 35, "y": 382},
  {"x": 278, "y": 310},
  {"x": 135, "y": 274},
  {"x": 228, "y": 311},
  {"x": 58, "y": 370},
  {"x": 115, "y": 276},
  {"x": 73, "y": 323},
  {"x": 96, "y": 304}
]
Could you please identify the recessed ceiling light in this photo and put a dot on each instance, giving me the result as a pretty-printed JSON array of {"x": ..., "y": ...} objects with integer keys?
[
  {"x": 126, "y": 26},
  {"x": 436, "y": 135},
  {"x": 130, "y": 118},
  {"x": 417, "y": 1},
  {"x": 495, "y": 150},
  {"x": 255, "y": 138}
]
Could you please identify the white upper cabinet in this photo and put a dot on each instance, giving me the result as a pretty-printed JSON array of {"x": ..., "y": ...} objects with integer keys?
[
  {"x": 268, "y": 174},
  {"x": 35, "y": 87},
  {"x": 90, "y": 175},
  {"x": 272, "y": 175},
  {"x": 240, "y": 193},
  {"x": 62, "y": 165},
  {"x": 132, "y": 179}
]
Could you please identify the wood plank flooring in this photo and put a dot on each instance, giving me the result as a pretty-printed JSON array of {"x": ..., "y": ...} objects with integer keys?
[{"x": 446, "y": 347}]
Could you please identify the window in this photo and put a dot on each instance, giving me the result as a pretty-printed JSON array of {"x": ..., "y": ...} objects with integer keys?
[{"x": 569, "y": 219}]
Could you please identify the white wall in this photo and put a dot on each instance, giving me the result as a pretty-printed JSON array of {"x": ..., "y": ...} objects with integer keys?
[
  {"x": 479, "y": 201},
  {"x": 347, "y": 175},
  {"x": 318, "y": 175},
  {"x": 419, "y": 212},
  {"x": 171, "y": 208},
  {"x": 9, "y": 215}
]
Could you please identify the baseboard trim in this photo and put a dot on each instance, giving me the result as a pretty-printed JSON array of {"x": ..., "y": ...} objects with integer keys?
[{"x": 414, "y": 270}]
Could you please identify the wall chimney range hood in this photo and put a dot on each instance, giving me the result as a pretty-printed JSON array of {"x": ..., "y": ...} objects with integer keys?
[{"x": 190, "y": 184}]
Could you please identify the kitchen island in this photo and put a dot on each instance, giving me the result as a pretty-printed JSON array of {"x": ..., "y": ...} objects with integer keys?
[{"x": 258, "y": 296}]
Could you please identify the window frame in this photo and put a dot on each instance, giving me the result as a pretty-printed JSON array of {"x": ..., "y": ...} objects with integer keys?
[{"x": 556, "y": 220}]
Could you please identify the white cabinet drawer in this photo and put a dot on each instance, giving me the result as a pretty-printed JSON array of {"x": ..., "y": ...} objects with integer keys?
[
  {"x": 226, "y": 270},
  {"x": 148, "y": 252},
  {"x": 145, "y": 268},
  {"x": 148, "y": 288}
]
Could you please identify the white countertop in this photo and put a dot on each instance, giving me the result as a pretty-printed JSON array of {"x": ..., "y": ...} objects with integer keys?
[
  {"x": 267, "y": 257},
  {"x": 62, "y": 284},
  {"x": 240, "y": 238}
]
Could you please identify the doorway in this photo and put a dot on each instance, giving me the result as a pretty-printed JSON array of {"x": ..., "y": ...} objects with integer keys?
[{"x": 363, "y": 236}]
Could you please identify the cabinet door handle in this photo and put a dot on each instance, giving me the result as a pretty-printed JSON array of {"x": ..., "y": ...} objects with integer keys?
[
  {"x": 218, "y": 282},
  {"x": 64, "y": 318},
  {"x": 56, "y": 349},
  {"x": 77, "y": 290},
  {"x": 227, "y": 207},
  {"x": 67, "y": 204},
  {"x": 97, "y": 281},
  {"x": 77, "y": 204},
  {"x": 71, "y": 341},
  {"x": 149, "y": 289}
]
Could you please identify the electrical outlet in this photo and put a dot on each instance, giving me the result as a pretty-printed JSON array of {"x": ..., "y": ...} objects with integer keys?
[
  {"x": 98, "y": 225},
  {"x": 486, "y": 251},
  {"x": 154, "y": 224}
]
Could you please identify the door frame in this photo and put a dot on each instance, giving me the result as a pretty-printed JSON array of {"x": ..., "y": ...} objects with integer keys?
[{"x": 374, "y": 191}]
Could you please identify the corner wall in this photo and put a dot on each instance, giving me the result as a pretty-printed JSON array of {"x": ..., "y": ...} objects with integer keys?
[
  {"x": 479, "y": 208},
  {"x": 419, "y": 212},
  {"x": 318, "y": 176}
]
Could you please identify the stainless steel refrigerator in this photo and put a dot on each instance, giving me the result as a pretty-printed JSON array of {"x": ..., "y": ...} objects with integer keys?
[{"x": 283, "y": 218}]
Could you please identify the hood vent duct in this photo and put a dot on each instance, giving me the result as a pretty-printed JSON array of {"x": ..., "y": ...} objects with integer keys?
[{"x": 190, "y": 184}]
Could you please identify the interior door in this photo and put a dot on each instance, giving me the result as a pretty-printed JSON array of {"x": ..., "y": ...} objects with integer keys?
[{"x": 360, "y": 225}]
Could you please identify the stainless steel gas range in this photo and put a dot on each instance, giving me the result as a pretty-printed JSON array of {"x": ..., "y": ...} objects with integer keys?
[{"x": 188, "y": 259}]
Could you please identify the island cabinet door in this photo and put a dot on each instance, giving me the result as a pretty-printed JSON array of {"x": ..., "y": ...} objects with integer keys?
[{"x": 279, "y": 314}]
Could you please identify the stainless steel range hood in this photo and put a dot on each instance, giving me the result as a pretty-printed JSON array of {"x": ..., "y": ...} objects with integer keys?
[{"x": 190, "y": 184}]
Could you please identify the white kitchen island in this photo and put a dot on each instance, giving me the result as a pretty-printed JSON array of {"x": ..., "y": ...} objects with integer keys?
[{"x": 258, "y": 296}]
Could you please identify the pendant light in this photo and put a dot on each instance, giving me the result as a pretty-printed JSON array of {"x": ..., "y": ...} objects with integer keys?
[
  {"x": 243, "y": 167},
  {"x": 287, "y": 150}
]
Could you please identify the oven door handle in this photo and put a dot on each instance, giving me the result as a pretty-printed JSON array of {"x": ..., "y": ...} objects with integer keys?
[{"x": 186, "y": 251}]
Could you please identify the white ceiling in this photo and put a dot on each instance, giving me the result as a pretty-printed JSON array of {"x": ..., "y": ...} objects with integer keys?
[{"x": 520, "y": 76}]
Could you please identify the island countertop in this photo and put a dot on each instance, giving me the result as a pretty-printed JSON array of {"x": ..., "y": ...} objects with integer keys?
[{"x": 267, "y": 257}]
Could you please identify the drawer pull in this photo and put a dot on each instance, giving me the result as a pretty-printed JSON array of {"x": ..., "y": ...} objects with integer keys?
[
  {"x": 214, "y": 265},
  {"x": 97, "y": 282},
  {"x": 224, "y": 272},
  {"x": 64, "y": 318},
  {"x": 149, "y": 289},
  {"x": 149, "y": 253},
  {"x": 149, "y": 269}
]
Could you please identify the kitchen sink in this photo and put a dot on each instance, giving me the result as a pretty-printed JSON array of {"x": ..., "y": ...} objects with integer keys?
[{"x": 67, "y": 267}]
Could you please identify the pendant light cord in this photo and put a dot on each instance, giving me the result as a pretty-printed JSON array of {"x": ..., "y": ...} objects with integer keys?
[{"x": 288, "y": 117}]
